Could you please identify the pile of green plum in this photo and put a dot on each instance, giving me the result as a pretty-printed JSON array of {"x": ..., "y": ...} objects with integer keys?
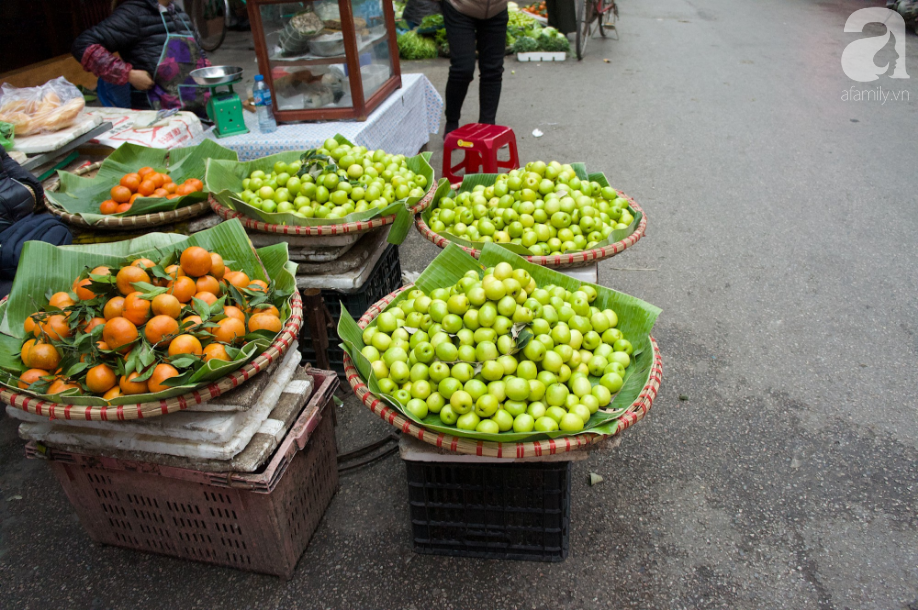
[
  {"x": 356, "y": 180},
  {"x": 546, "y": 209},
  {"x": 498, "y": 353}
]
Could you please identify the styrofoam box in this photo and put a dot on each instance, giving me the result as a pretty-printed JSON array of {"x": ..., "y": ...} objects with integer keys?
[{"x": 541, "y": 56}]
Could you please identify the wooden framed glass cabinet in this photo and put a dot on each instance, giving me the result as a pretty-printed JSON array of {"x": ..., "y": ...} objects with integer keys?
[{"x": 326, "y": 59}]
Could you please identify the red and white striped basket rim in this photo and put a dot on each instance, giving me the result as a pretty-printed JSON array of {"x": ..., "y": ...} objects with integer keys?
[
  {"x": 361, "y": 226},
  {"x": 557, "y": 261},
  {"x": 123, "y": 223},
  {"x": 53, "y": 410},
  {"x": 635, "y": 412}
]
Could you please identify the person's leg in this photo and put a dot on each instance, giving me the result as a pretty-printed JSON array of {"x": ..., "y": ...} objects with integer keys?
[
  {"x": 492, "y": 41},
  {"x": 460, "y": 32}
]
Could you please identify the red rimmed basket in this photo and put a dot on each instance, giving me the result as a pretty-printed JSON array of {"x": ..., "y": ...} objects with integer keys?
[
  {"x": 635, "y": 412},
  {"x": 361, "y": 226},
  {"x": 559, "y": 261},
  {"x": 123, "y": 223},
  {"x": 52, "y": 410}
]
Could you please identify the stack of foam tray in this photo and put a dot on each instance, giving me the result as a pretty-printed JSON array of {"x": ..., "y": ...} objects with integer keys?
[
  {"x": 237, "y": 432},
  {"x": 321, "y": 254}
]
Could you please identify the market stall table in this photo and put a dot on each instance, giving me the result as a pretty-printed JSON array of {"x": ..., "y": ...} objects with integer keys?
[{"x": 400, "y": 125}]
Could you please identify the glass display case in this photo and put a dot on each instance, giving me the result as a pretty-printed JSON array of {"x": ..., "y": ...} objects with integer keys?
[{"x": 326, "y": 59}]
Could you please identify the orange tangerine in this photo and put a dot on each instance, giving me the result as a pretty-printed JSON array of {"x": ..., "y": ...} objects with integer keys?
[
  {"x": 31, "y": 376},
  {"x": 167, "y": 305},
  {"x": 183, "y": 288},
  {"x": 62, "y": 385},
  {"x": 129, "y": 386},
  {"x": 56, "y": 327},
  {"x": 115, "y": 392},
  {"x": 121, "y": 194},
  {"x": 114, "y": 308},
  {"x": 215, "y": 351},
  {"x": 229, "y": 330},
  {"x": 231, "y": 311},
  {"x": 208, "y": 297},
  {"x": 82, "y": 290},
  {"x": 136, "y": 309},
  {"x": 160, "y": 328},
  {"x": 236, "y": 278},
  {"x": 196, "y": 261},
  {"x": 127, "y": 276},
  {"x": 143, "y": 263},
  {"x": 195, "y": 320},
  {"x": 146, "y": 188},
  {"x": 24, "y": 353},
  {"x": 185, "y": 344},
  {"x": 217, "y": 268},
  {"x": 119, "y": 333},
  {"x": 208, "y": 283},
  {"x": 258, "y": 286},
  {"x": 264, "y": 308},
  {"x": 131, "y": 181},
  {"x": 161, "y": 373},
  {"x": 60, "y": 300},
  {"x": 29, "y": 325},
  {"x": 100, "y": 379},
  {"x": 265, "y": 321},
  {"x": 92, "y": 324}
]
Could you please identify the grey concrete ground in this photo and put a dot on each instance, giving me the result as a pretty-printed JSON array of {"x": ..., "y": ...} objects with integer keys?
[{"x": 782, "y": 248}]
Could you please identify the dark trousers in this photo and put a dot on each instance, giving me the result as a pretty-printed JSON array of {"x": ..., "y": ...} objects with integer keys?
[{"x": 465, "y": 35}]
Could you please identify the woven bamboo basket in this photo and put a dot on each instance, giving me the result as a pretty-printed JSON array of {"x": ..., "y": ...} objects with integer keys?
[
  {"x": 122, "y": 223},
  {"x": 52, "y": 410},
  {"x": 635, "y": 412},
  {"x": 361, "y": 226},
  {"x": 558, "y": 261}
]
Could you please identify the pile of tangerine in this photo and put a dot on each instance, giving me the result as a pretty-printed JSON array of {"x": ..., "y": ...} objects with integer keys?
[
  {"x": 146, "y": 182},
  {"x": 163, "y": 322}
]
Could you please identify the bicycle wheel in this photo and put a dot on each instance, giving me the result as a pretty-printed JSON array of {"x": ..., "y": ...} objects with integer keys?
[
  {"x": 608, "y": 18},
  {"x": 585, "y": 19},
  {"x": 209, "y": 20}
]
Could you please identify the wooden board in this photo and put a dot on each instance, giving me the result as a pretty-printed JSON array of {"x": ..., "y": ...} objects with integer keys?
[{"x": 47, "y": 142}]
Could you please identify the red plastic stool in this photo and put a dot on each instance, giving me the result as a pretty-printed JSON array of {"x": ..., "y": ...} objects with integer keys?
[{"x": 480, "y": 143}]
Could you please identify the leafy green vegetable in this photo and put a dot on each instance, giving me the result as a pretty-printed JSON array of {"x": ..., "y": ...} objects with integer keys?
[
  {"x": 520, "y": 23},
  {"x": 551, "y": 40},
  {"x": 432, "y": 22},
  {"x": 525, "y": 44},
  {"x": 413, "y": 46}
]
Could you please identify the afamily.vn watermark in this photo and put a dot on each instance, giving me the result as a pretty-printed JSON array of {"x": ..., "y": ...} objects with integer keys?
[
  {"x": 857, "y": 59},
  {"x": 878, "y": 94}
]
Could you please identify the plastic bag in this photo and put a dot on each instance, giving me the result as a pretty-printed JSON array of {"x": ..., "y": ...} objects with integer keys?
[{"x": 44, "y": 109}]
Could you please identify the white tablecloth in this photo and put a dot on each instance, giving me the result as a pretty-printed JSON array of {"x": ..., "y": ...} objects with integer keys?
[{"x": 400, "y": 125}]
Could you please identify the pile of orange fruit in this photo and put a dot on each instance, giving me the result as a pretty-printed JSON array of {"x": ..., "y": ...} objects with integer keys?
[
  {"x": 146, "y": 182},
  {"x": 128, "y": 330}
]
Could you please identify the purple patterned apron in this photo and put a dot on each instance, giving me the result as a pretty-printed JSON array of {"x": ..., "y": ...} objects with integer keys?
[{"x": 173, "y": 86}]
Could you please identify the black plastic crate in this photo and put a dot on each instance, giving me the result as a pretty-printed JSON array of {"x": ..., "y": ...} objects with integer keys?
[
  {"x": 385, "y": 278},
  {"x": 491, "y": 511}
]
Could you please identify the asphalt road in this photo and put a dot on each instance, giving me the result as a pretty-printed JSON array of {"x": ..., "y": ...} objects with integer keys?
[{"x": 781, "y": 247}]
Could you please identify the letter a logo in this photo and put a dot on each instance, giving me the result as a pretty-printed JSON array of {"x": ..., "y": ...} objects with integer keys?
[{"x": 857, "y": 58}]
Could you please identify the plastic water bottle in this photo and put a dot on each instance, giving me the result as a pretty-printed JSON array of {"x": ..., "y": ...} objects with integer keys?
[{"x": 263, "y": 106}]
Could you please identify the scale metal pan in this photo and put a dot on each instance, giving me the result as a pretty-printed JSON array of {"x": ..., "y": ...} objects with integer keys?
[{"x": 216, "y": 75}]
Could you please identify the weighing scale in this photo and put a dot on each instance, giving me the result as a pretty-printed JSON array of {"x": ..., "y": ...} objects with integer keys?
[{"x": 224, "y": 107}]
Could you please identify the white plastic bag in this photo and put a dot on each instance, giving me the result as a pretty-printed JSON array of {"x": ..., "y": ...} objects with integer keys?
[{"x": 45, "y": 109}]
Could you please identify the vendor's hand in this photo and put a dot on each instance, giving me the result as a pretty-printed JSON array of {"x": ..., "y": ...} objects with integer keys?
[{"x": 140, "y": 79}]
